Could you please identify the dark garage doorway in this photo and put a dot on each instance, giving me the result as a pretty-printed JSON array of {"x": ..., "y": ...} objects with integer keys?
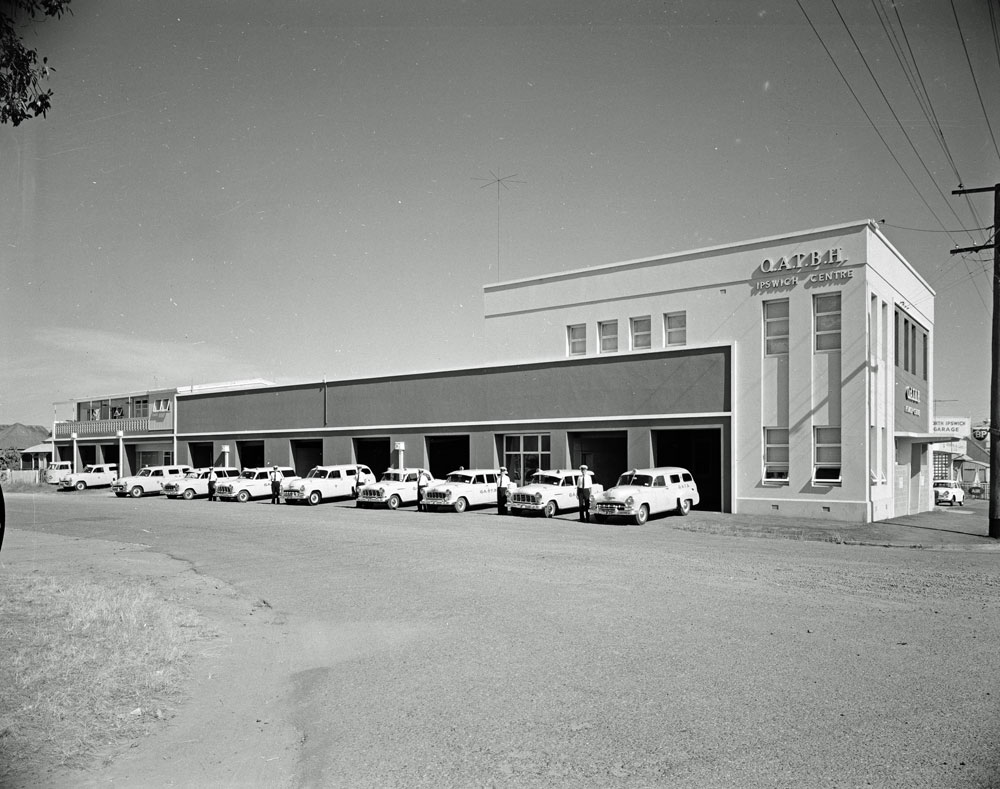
[
  {"x": 110, "y": 453},
  {"x": 375, "y": 453},
  {"x": 605, "y": 454},
  {"x": 446, "y": 453},
  {"x": 699, "y": 450},
  {"x": 251, "y": 453},
  {"x": 306, "y": 454},
  {"x": 201, "y": 454}
]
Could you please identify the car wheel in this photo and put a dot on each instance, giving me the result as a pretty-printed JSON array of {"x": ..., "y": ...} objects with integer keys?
[
  {"x": 136, "y": 492},
  {"x": 393, "y": 502},
  {"x": 642, "y": 515},
  {"x": 461, "y": 505},
  {"x": 550, "y": 509},
  {"x": 81, "y": 485},
  {"x": 315, "y": 498},
  {"x": 243, "y": 496},
  {"x": 683, "y": 506},
  {"x": 188, "y": 494}
]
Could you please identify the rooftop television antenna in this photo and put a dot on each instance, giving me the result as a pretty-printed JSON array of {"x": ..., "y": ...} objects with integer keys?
[{"x": 500, "y": 181}]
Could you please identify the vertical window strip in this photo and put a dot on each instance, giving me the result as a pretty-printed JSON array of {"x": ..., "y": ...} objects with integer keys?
[
  {"x": 776, "y": 455},
  {"x": 827, "y": 455},
  {"x": 826, "y": 311},
  {"x": 776, "y": 316}
]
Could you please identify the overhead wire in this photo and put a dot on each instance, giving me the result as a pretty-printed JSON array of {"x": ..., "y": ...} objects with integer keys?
[
  {"x": 974, "y": 80},
  {"x": 923, "y": 98},
  {"x": 869, "y": 117},
  {"x": 919, "y": 88},
  {"x": 899, "y": 123}
]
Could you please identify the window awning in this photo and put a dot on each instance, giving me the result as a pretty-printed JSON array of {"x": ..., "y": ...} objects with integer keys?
[{"x": 926, "y": 438}]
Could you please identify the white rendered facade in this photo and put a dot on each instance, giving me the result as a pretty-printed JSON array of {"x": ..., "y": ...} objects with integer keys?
[{"x": 831, "y": 335}]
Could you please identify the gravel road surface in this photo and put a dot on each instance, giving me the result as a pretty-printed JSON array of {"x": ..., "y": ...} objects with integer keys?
[{"x": 365, "y": 648}]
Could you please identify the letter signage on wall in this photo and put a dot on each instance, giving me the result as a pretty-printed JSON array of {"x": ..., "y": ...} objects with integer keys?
[{"x": 814, "y": 267}]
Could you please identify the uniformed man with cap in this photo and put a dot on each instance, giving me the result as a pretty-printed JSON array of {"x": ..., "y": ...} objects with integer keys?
[
  {"x": 583, "y": 492},
  {"x": 275, "y": 486},
  {"x": 502, "y": 482}
]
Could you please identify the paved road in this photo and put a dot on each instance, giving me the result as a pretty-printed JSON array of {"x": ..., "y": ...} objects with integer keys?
[{"x": 402, "y": 649}]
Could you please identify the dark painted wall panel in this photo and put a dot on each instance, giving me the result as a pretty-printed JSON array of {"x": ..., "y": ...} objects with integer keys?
[{"x": 670, "y": 382}]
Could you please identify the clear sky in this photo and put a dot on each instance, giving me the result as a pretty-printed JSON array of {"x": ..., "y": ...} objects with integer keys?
[{"x": 255, "y": 188}]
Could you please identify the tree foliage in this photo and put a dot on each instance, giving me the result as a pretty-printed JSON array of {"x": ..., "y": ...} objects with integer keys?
[
  {"x": 21, "y": 93},
  {"x": 10, "y": 458}
]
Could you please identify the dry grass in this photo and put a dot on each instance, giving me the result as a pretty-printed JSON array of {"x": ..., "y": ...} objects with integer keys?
[{"x": 85, "y": 665}]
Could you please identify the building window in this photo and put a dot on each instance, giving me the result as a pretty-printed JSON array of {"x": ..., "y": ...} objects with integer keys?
[
  {"x": 140, "y": 407},
  {"x": 642, "y": 333},
  {"x": 776, "y": 327},
  {"x": 525, "y": 454},
  {"x": 161, "y": 405},
  {"x": 826, "y": 467},
  {"x": 608, "y": 332},
  {"x": 776, "y": 455},
  {"x": 576, "y": 339},
  {"x": 675, "y": 328},
  {"x": 924, "y": 341},
  {"x": 895, "y": 339},
  {"x": 827, "y": 313}
]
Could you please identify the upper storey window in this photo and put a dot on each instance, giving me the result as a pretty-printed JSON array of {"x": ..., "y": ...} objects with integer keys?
[
  {"x": 826, "y": 312},
  {"x": 776, "y": 327}
]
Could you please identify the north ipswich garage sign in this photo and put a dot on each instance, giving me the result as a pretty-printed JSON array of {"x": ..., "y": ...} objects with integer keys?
[{"x": 817, "y": 267}]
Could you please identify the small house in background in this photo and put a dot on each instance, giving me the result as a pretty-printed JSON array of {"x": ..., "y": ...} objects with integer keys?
[{"x": 32, "y": 441}]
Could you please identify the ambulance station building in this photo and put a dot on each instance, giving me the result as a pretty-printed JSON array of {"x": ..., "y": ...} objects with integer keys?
[{"x": 790, "y": 374}]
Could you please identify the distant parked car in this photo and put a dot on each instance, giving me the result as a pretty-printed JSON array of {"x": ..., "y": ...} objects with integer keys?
[
  {"x": 98, "y": 475},
  {"x": 397, "y": 488},
  {"x": 549, "y": 492},
  {"x": 947, "y": 491},
  {"x": 463, "y": 489},
  {"x": 647, "y": 491},
  {"x": 57, "y": 470},
  {"x": 326, "y": 482},
  {"x": 194, "y": 484}
]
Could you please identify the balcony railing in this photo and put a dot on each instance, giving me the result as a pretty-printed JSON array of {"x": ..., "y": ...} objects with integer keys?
[{"x": 130, "y": 426}]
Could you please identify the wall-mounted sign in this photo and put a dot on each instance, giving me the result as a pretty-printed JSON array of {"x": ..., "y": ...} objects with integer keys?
[
  {"x": 912, "y": 394},
  {"x": 957, "y": 426},
  {"x": 831, "y": 257},
  {"x": 793, "y": 267},
  {"x": 980, "y": 433}
]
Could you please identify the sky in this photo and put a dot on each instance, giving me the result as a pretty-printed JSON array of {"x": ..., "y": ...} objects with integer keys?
[{"x": 238, "y": 189}]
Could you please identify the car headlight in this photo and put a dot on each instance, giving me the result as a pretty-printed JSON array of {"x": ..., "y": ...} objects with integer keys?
[
  {"x": 630, "y": 502},
  {"x": 538, "y": 497},
  {"x": 381, "y": 491},
  {"x": 447, "y": 493}
]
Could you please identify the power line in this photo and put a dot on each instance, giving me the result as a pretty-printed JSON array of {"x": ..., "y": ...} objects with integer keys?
[
  {"x": 895, "y": 116},
  {"x": 869, "y": 117},
  {"x": 928, "y": 230},
  {"x": 974, "y": 80}
]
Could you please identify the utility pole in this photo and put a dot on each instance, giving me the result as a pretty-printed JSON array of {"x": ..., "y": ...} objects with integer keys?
[{"x": 994, "y": 358}]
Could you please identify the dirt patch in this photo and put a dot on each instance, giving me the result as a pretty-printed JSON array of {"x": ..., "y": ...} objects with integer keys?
[{"x": 227, "y": 729}]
